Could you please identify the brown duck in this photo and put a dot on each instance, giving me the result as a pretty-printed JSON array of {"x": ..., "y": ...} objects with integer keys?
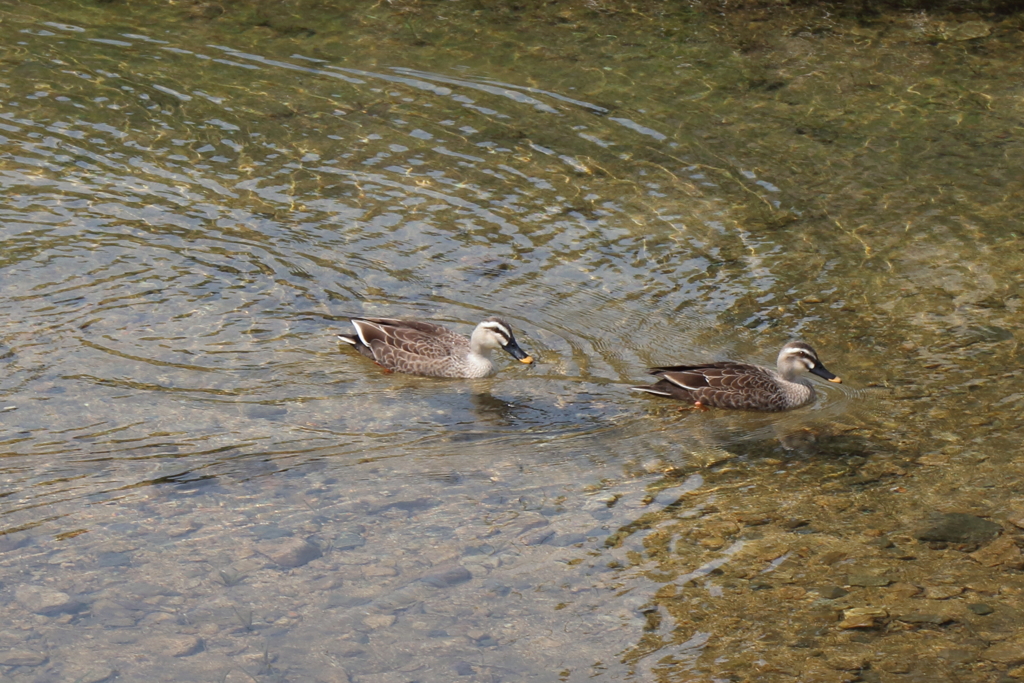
[
  {"x": 421, "y": 348},
  {"x": 741, "y": 386}
]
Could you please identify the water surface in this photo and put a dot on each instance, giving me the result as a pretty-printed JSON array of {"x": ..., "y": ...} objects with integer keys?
[{"x": 200, "y": 484}]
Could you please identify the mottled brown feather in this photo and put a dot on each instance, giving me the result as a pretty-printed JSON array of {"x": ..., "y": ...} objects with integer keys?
[
  {"x": 422, "y": 348},
  {"x": 721, "y": 385},
  {"x": 743, "y": 386},
  {"x": 409, "y": 344}
]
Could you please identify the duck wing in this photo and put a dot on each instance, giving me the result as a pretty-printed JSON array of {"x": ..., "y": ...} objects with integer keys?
[
  {"x": 397, "y": 343},
  {"x": 721, "y": 385}
]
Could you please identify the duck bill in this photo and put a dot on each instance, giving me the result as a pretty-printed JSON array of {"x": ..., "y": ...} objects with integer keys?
[
  {"x": 513, "y": 349},
  {"x": 820, "y": 371}
]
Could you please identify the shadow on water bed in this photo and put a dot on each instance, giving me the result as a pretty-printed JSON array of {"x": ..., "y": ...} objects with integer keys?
[{"x": 200, "y": 485}]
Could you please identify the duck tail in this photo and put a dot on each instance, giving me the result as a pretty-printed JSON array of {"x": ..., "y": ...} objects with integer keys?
[{"x": 652, "y": 390}]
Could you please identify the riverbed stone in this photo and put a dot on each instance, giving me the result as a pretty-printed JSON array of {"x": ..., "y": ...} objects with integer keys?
[
  {"x": 10, "y": 542},
  {"x": 817, "y": 671},
  {"x": 791, "y": 592},
  {"x": 379, "y": 571},
  {"x": 970, "y": 30},
  {"x": 237, "y": 676},
  {"x": 866, "y": 578},
  {"x": 754, "y": 518},
  {"x": 525, "y": 522},
  {"x": 1001, "y": 552},
  {"x": 447, "y": 577},
  {"x": 22, "y": 658},
  {"x": 712, "y": 542},
  {"x": 902, "y": 589},
  {"x": 347, "y": 540},
  {"x": 862, "y": 617},
  {"x": 958, "y": 655},
  {"x": 942, "y": 592},
  {"x": 335, "y": 675},
  {"x": 1006, "y": 653},
  {"x": 43, "y": 600},
  {"x": 847, "y": 661},
  {"x": 112, "y": 614},
  {"x": 832, "y": 557},
  {"x": 376, "y": 621},
  {"x": 97, "y": 674},
  {"x": 180, "y": 645},
  {"x": 893, "y": 665},
  {"x": 959, "y": 527},
  {"x": 566, "y": 540},
  {"x": 538, "y": 537},
  {"x": 407, "y": 505},
  {"x": 289, "y": 551},
  {"x": 924, "y": 617}
]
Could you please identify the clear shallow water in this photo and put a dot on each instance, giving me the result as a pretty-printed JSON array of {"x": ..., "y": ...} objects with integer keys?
[{"x": 192, "y": 210}]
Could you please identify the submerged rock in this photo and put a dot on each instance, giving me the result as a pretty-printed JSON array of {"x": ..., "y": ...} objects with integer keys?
[
  {"x": 832, "y": 592},
  {"x": 935, "y": 618},
  {"x": 1008, "y": 653},
  {"x": 863, "y": 578},
  {"x": 289, "y": 552},
  {"x": 862, "y": 617},
  {"x": 101, "y": 674},
  {"x": 959, "y": 527},
  {"x": 970, "y": 30},
  {"x": 22, "y": 658},
  {"x": 42, "y": 600},
  {"x": 445, "y": 578},
  {"x": 179, "y": 645},
  {"x": 942, "y": 592},
  {"x": 1002, "y": 551},
  {"x": 347, "y": 540}
]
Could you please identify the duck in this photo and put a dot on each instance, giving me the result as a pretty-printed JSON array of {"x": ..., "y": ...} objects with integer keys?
[
  {"x": 741, "y": 386},
  {"x": 422, "y": 348}
]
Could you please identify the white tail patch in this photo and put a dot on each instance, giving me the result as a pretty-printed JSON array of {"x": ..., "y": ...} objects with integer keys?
[
  {"x": 680, "y": 383},
  {"x": 647, "y": 390},
  {"x": 359, "y": 330}
]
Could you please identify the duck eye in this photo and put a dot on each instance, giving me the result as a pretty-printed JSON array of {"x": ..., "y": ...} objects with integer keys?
[{"x": 499, "y": 333}]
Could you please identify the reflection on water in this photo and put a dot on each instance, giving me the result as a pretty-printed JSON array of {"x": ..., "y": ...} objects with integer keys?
[{"x": 200, "y": 484}]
